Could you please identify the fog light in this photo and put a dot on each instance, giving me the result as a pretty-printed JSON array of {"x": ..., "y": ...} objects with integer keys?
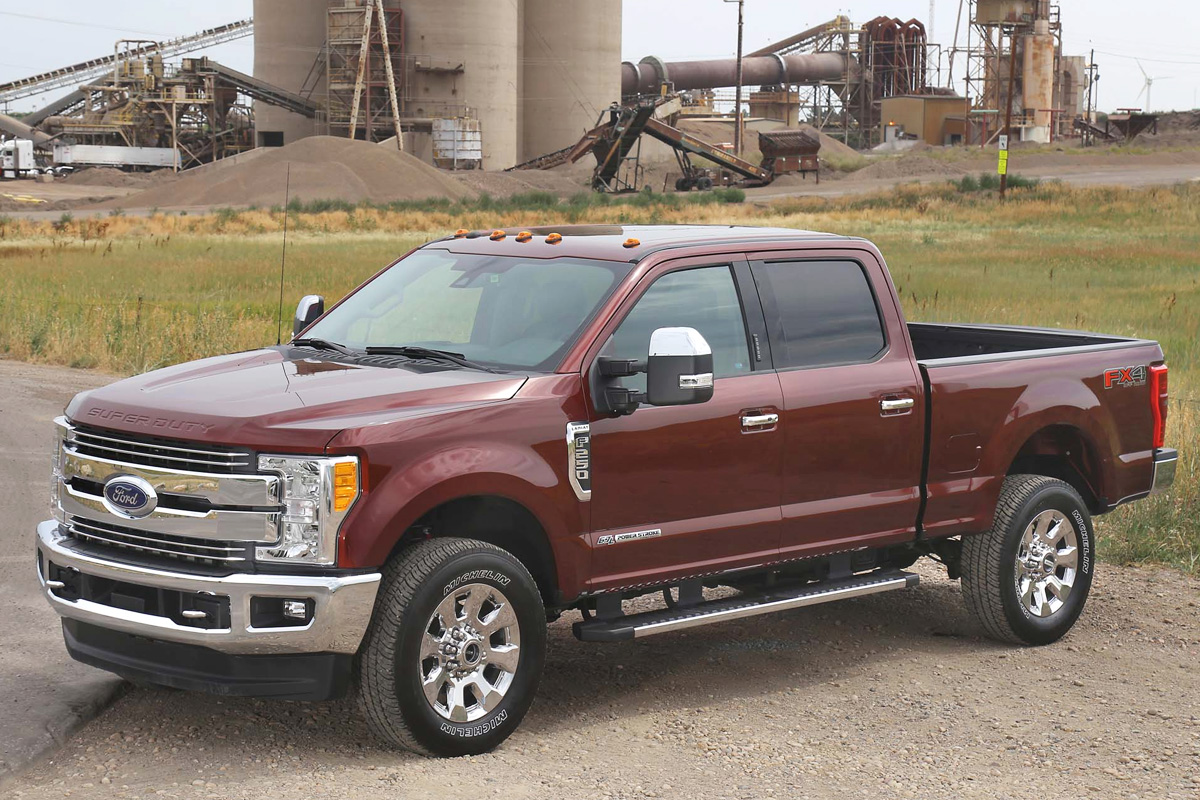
[{"x": 295, "y": 609}]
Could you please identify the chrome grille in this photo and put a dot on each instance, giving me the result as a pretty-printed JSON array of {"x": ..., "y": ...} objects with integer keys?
[
  {"x": 162, "y": 453},
  {"x": 199, "y": 551}
]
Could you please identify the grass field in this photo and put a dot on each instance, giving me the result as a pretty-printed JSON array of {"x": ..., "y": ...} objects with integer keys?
[{"x": 128, "y": 294}]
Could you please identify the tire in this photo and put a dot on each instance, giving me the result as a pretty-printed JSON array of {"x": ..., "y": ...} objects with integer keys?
[
  {"x": 704, "y": 184},
  {"x": 683, "y": 185},
  {"x": 412, "y": 641},
  {"x": 1012, "y": 583}
]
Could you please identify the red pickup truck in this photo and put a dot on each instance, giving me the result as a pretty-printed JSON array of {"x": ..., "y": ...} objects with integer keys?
[{"x": 503, "y": 427}]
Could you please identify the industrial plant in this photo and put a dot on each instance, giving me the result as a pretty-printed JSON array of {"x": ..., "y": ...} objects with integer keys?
[{"x": 539, "y": 83}]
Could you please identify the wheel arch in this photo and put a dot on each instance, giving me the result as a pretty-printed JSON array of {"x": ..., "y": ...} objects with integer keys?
[
  {"x": 497, "y": 520},
  {"x": 1066, "y": 452}
]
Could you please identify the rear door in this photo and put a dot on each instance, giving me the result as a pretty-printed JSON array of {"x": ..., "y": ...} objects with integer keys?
[
  {"x": 853, "y": 418},
  {"x": 689, "y": 489}
]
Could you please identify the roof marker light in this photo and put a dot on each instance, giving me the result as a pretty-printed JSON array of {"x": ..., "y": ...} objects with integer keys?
[
  {"x": 553, "y": 238},
  {"x": 497, "y": 235},
  {"x": 524, "y": 236},
  {"x": 460, "y": 233},
  {"x": 631, "y": 242}
]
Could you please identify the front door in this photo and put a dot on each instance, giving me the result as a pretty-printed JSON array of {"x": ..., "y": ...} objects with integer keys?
[{"x": 686, "y": 490}]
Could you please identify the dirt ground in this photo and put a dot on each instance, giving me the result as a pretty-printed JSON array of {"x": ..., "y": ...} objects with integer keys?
[{"x": 889, "y": 696}]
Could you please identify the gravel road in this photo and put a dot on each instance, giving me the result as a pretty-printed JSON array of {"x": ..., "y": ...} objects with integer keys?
[
  {"x": 889, "y": 696},
  {"x": 43, "y": 693}
]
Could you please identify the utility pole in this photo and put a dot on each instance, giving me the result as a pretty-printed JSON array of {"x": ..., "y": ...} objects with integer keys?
[
  {"x": 1091, "y": 70},
  {"x": 737, "y": 102},
  {"x": 1012, "y": 79}
]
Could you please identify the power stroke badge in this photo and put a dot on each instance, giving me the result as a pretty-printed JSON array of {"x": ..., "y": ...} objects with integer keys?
[{"x": 631, "y": 536}]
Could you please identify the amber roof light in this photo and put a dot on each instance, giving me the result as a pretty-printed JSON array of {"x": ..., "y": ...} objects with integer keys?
[
  {"x": 524, "y": 236},
  {"x": 631, "y": 242},
  {"x": 497, "y": 235},
  {"x": 460, "y": 233},
  {"x": 553, "y": 238}
]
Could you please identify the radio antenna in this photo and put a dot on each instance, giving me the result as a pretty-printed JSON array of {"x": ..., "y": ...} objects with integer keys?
[{"x": 287, "y": 191}]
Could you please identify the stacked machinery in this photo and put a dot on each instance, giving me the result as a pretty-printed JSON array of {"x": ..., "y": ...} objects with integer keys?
[{"x": 1020, "y": 42}]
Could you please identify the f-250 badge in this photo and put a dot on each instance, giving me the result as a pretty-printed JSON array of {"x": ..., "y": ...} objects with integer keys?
[{"x": 1124, "y": 377}]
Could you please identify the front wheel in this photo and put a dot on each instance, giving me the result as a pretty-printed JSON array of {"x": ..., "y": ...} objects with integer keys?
[
  {"x": 455, "y": 650},
  {"x": 1027, "y": 579}
]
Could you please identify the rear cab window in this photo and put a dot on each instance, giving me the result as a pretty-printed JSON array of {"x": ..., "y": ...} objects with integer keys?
[{"x": 820, "y": 313}]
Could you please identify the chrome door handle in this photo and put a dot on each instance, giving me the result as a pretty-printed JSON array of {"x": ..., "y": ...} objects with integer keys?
[
  {"x": 891, "y": 406},
  {"x": 753, "y": 421}
]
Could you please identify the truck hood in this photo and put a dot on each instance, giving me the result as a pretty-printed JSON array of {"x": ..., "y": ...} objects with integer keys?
[{"x": 282, "y": 398}]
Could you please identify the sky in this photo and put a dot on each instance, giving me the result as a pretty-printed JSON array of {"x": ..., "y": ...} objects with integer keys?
[{"x": 41, "y": 36}]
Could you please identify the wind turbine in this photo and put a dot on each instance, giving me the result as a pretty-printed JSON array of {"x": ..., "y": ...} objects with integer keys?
[{"x": 1148, "y": 85}]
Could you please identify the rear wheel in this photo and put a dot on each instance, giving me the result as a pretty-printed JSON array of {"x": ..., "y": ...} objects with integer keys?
[
  {"x": 1027, "y": 579},
  {"x": 455, "y": 650}
]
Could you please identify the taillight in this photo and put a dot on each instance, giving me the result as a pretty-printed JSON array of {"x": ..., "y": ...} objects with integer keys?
[{"x": 1158, "y": 402}]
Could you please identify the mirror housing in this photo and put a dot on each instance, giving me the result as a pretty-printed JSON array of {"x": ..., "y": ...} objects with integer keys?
[
  {"x": 310, "y": 307},
  {"x": 679, "y": 371}
]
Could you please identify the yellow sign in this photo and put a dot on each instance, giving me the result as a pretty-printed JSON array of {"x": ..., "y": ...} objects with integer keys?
[{"x": 1002, "y": 167}]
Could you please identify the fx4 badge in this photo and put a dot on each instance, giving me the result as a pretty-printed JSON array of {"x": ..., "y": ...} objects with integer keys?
[{"x": 1124, "y": 377}]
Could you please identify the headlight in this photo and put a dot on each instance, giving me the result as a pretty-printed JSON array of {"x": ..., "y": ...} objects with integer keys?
[
  {"x": 316, "y": 495},
  {"x": 62, "y": 434}
]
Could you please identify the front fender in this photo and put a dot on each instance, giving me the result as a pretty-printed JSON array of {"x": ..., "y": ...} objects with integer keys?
[{"x": 519, "y": 474}]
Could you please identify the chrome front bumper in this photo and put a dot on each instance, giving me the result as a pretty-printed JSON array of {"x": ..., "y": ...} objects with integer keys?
[
  {"x": 1165, "y": 460},
  {"x": 342, "y": 605}
]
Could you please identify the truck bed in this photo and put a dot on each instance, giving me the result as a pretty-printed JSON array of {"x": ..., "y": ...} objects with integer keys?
[
  {"x": 939, "y": 342},
  {"x": 998, "y": 394}
]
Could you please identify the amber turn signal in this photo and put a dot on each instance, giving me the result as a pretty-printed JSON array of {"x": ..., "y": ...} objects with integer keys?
[
  {"x": 631, "y": 242},
  {"x": 498, "y": 235},
  {"x": 524, "y": 236},
  {"x": 345, "y": 484},
  {"x": 553, "y": 238}
]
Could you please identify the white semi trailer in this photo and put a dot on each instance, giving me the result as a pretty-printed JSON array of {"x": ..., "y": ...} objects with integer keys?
[{"x": 92, "y": 155}]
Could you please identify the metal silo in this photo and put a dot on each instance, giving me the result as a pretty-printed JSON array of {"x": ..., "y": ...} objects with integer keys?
[
  {"x": 1038, "y": 77},
  {"x": 571, "y": 70},
  {"x": 288, "y": 37},
  {"x": 465, "y": 61}
]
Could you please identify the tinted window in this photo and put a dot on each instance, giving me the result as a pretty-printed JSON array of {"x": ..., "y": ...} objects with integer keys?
[
  {"x": 705, "y": 299},
  {"x": 825, "y": 312}
]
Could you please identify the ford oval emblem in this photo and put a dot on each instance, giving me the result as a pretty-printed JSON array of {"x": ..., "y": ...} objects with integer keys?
[{"x": 130, "y": 496}]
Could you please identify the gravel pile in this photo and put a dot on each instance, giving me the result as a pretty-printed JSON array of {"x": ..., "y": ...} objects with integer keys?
[
  {"x": 906, "y": 166},
  {"x": 322, "y": 168}
]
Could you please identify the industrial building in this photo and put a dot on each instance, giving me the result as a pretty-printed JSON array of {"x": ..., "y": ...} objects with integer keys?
[
  {"x": 534, "y": 73},
  {"x": 519, "y": 82}
]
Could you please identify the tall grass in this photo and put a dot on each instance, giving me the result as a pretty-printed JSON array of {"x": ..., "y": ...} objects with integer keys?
[{"x": 127, "y": 294}]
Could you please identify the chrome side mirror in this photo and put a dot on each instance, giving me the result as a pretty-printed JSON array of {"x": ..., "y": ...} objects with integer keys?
[
  {"x": 310, "y": 307},
  {"x": 679, "y": 371}
]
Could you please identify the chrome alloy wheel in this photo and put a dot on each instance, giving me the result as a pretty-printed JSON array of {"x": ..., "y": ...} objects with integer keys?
[
  {"x": 469, "y": 652},
  {"x": 1047, "y": 563}
]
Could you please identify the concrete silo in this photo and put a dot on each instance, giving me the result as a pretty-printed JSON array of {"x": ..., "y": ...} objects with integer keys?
[
  {"x": 288, "y": 37},
  {"x": 465, "y": 61},
  {"x": 571, "y": 69}
]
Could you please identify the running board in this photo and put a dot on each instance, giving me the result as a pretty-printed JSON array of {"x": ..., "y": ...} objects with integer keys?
[{"x": 636, "y": 626}]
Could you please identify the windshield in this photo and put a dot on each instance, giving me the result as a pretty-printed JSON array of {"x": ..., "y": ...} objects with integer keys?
[{"x": 499, "y": 311}]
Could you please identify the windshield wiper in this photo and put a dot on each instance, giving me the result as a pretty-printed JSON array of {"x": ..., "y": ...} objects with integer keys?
[
  {"x": 324, "y": 344},
  {"x": 416, "y": 351}
]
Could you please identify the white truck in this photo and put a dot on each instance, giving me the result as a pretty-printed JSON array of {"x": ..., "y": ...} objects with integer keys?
[{"x": 16, "y": 159}]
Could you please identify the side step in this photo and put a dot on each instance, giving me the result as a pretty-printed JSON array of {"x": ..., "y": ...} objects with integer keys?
[{"x": 636, "y": 626}]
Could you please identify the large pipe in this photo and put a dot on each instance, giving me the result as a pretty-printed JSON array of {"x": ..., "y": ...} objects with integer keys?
[
  {"x": 646, "y": 76},
  {"x": 19, "y": 129}
]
